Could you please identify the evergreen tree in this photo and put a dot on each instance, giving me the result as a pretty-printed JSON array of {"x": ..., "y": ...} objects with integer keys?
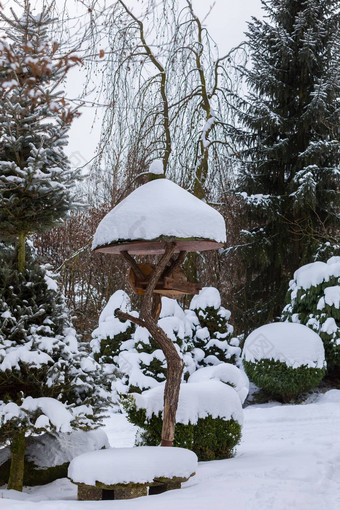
[
  {"x": 46, "y": 381},
  {"x": 289, "y": 179},
  {"x": 35, "y": 175},
  {"x": 213, "y": 340}
]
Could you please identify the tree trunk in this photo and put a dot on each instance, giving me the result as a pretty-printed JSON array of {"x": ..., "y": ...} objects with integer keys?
[
  {"x": 16, "y": 473},
  {"x": 22, "y": 252},
  {"x": 148, "y": 319}
]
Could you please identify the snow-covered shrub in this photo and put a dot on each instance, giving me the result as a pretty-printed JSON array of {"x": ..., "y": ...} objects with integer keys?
[
  {"x": 139, "y": 361},
  {"x": 112, "y": 332},
  {"x": 284, "y": 359},
  {"x": 48, "y": 456},
  {"x": 314, "y": 300},
  {"x": 213, "y": 341},
  {"x": 226, "y": 373},
  {"x": 208, "y": 419}
]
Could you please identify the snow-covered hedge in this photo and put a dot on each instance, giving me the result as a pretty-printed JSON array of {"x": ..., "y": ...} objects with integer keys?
[
  {"x": 284, "y": 359},
  {"x": 314, "y": 300},
  {"x": 208, "y": 419},
  {"x": 226, "y": 373}
]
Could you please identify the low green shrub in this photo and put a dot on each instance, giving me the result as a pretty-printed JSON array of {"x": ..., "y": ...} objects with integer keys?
[
  {"x": 281, "y": 381},
  {"x": 210, "y": 438}
]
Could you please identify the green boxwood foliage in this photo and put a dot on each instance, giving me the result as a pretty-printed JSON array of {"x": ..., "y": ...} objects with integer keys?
[
  {"x": 210, "y": 438},
  {"x": 281, "y": 381}
]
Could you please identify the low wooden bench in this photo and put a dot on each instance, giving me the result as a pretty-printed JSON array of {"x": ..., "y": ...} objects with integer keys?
[{"x": 126, "y": 473}]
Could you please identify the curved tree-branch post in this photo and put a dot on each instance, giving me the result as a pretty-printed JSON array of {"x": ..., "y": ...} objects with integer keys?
[{"x": 175, "y": 364}]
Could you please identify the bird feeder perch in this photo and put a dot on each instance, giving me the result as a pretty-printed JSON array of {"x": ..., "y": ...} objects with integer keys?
[{"x": 160, "y": 218}]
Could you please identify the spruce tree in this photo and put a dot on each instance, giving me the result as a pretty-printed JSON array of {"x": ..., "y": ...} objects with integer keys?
[
  {"x": 35, "y": 175},
  {"x": 43, "y": 372},
  {"x": 38, "y": 355},
  {"x": 290, "y": 148}
]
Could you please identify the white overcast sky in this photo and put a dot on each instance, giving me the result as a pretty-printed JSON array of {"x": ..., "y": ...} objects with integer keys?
[{"x": 226, "y": 23}]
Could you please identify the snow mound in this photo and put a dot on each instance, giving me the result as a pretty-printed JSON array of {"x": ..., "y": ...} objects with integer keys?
[
  {"x": 160, "y": 208},
  {"x": 226, "y": 373},
  {"x": 330, "y": 397},
  {"x": 291, "y": 343},
  {"x": 54, "y": 450},
  {"x": 141, "y": 464},
  {"x": 195, "y": 401}
]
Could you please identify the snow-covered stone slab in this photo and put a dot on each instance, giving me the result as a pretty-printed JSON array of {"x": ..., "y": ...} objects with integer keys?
[
  {"x": 163, "y": 210},
  {"x": 291, "y": 343},
  {"x": 126, "y": 466}
]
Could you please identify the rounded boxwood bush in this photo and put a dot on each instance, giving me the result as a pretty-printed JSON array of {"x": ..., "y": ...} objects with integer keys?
[
  {"x": 210, "y": 437},
  {"x": 281, "y": 381},
  {"x": 284, "y": 359}
]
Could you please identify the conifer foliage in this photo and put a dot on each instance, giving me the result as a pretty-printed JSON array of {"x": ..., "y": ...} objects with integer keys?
[
  {"x": 290, "y": 145},
  {"x": 35, "y": 175},
  {"x": 313, "y": 299},
  {"x": 46, "y": 382}
]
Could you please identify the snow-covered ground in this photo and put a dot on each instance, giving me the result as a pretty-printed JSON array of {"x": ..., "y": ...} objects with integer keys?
[{"x": 289, "y": 458}]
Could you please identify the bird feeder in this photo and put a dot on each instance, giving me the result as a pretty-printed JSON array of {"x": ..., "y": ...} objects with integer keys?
[{"x": 160, "y": 218}]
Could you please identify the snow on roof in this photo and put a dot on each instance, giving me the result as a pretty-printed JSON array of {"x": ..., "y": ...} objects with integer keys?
[
  {"x": 195, "y": 401},
  {"x": 141, "y": 464},
  {"x": 291, "y": 343},
  {"x": 160, "y": 208}
]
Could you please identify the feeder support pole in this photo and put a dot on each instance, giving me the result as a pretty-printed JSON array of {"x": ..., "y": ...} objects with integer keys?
[{"x": 148, "y": 319}]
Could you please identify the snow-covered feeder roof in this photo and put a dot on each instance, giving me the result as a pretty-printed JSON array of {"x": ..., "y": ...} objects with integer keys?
[
  {"x": 158, "y": 212},
  {"x": 291, "y": 343},
  {"x": 140, "y": 465},
  {"x": 196, "y": 401}
]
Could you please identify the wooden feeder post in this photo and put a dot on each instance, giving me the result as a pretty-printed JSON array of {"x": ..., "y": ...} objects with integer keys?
[
  {"x": 163, "y": 278},
  {"x": 148, "y": 318}
]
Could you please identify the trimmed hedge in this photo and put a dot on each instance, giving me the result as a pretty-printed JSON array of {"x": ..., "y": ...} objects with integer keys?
[
  {"x": 210, "y": 438},
  {"x": 281, "y": 381}
]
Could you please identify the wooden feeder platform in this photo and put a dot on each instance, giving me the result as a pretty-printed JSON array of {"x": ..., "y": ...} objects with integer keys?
[
  {"x": 157, "y": 246},
  {"x": 174, "y": 286}
]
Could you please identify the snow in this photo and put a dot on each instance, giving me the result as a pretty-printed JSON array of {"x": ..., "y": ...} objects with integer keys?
[
  {"x": 293, "y": 344},
  {"x": 208, "y": 296},
  {"x": 195, "y": 401},
  {"x": 157, "y": 167},
  {"x": 288, "y": 458},
  {"x": 315, "y": 273},
  {"x": 160, "y": 208},
  {"x": 141, "y": 464},
  {"x": 226, "y": 373},
  {"x": 54, "y": 450},
  {"x": 12, "y": 358},
  {"x": 332, "y": 296},
  {"x": 119, "y": 300},
  {"x": 55, "y": 411}
]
